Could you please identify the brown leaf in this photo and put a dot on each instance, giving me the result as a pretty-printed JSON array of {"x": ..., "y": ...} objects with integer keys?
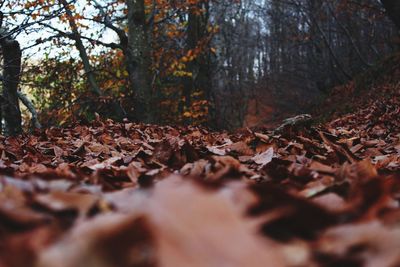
[
  {"x": 58, "y": 152},
  {"x": 263, "y": 137},
  {"x": 371, "y": 243},
  {"x": 216, "y": 150},
  {"x": 264, "y": 158},
  {"x": 106, "y": 241},
  {"x": 186, "y": 239},
  {"x": 58, "y": 201}
]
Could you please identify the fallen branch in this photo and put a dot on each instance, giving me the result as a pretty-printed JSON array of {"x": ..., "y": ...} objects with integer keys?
[{"x": 294, "y": 122}]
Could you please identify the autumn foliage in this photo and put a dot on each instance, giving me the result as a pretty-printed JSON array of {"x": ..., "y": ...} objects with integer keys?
[{"x": 167, "y": 25}]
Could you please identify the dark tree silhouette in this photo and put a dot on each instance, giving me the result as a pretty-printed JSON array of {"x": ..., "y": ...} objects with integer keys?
[
  {"x": 11, "y": 51},
  {"x": 393, "y": 10}
]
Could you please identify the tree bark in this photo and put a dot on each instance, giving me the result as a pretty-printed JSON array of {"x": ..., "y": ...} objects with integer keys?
[
  {"x": 139, "y": 62},
  {"x": 393, "y": 10},
  {"x": 11, "y": 75}
]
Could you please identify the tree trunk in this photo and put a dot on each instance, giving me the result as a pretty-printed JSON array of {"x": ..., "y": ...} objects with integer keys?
[
  {"x": 193, "y": 37},
  {"x": 90, "y": 77},
  {"x": 11, "y": 75},
  {"x": 200, "y": 66},
  {"x": 139, "y": 62},
  {"x": 393, "y": 10}
]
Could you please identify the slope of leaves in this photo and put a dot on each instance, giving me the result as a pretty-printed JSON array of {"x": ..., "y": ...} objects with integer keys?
[
  {"x": 123, "y": 194},
  {"x": 379, "y": 82}
]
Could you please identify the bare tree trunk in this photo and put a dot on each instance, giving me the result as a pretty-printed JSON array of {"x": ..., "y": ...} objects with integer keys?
[
  {"x": 193, "y": 37},
  {"x": 200, "y": 79},
  {"x": 393, "y": 10},
  {"x": 139, "y": 62},
  {"x": 91, "y": 79},
  {"x": 11, "y": 75}
]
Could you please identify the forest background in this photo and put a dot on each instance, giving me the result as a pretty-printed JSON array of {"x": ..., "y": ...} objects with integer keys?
[{"x": 224, "y": 64}]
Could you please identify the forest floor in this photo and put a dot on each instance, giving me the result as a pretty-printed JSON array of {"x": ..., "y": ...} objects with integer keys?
[{"x": 124, "y": 194}]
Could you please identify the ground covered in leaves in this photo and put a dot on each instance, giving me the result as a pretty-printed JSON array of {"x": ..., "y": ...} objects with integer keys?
[{"x": 122, "y": 194}]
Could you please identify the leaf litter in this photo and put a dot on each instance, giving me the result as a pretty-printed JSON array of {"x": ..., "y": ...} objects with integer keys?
[{"x": 124, "y": 194}]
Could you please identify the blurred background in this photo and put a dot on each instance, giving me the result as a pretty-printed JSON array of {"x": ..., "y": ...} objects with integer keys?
[{"x": 223, "y": 64}]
